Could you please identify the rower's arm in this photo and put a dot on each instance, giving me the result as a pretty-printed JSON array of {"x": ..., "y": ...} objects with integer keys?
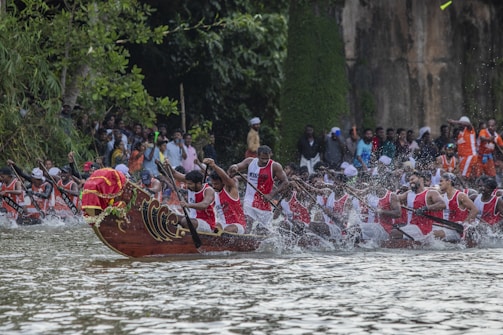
[
  {"x": 395, "y": 210},
  {"x": 468, "y": 204},
  {"x": 46, "y": 193},
  {"x": 434, "y": 201},
  {"x": 234, "y": 168},
  {"x": 209, "y": 197}
]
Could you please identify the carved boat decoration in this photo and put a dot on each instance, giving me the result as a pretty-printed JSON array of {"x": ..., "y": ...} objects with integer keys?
[{"x": 127, "y": 220}]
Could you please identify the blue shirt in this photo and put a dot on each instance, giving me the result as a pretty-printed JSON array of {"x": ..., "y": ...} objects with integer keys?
[
  {"x": 363, "y": 150},
  {"x": 174, "y": 154},
  {"x": 150, "y": 164}
]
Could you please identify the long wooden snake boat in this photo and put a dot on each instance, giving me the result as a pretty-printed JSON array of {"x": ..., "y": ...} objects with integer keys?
[{"x": 127, "y": 220}]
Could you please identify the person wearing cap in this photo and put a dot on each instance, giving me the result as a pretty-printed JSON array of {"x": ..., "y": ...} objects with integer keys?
[
  {"x": 467, "y": 147},
  {"x": 11, "y": 188},
  {"x": 151, "y": 185},
  {"x": 253, "y": 138},
  {"x": 489, "y": 141},
  {"x": 69, "y": 187},
  {"x": 230, "y": 215},
  {"x": 460, "y": 208},
  {"x": 334, "y": 149},
  {"x": 422, "y": 201},
  {"x": 262, "y": 171},
  {"x": 448, "y": 162},
  {"x": 124, "y": 170},
  {"x": 40, "y": 191},
  {"x": 309, "y": 149},
  {"x": 383, "y": 166}
]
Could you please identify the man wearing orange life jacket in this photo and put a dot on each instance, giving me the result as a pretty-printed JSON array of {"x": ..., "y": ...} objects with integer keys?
[
  {"x": 489, "y": 140},
  {"x": 39, "y": 193},
  {"x": 11, "y": 188},
  {"x": 65, "y": 185},
  {"x": 448, "y": 161},
  {"x": 467, "y": 147}
]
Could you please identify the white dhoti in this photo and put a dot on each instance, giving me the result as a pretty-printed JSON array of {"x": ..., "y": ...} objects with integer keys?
[{"x": 309, "y": 162}]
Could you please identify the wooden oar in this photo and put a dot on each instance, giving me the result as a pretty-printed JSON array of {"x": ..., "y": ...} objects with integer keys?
[
  {"x": 257, "y": 190},
  {"x": 350, "y": 191},
  {"x": 63, "y": 192},
  {"x": 335, "y": 219},
  {"x": 29, "y": 194},
  {"x": 193, "y": 232},
  {"x": 445, "y": 223},
  {"x": 13, "y": 204}
]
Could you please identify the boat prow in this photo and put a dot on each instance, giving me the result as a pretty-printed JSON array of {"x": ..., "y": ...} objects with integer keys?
[{"x": 131, "y": 223}]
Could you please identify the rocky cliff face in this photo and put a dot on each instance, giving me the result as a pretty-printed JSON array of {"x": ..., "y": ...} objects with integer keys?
[{"x": 410, "y": 64}]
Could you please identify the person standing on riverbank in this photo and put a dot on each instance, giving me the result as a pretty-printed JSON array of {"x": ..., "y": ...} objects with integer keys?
[
  {"x": 253, "y": 138},
  {"x": 309, "y": 148}
]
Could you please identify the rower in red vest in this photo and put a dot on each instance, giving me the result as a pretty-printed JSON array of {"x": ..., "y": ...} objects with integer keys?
[
  {"x": 230, "y": 215},
  {"x": 262, "y": 172},
  {"x": 421, "y": 200},
  {"x": 460, "y": 208},
  {"x": 200, "y": 202},
  {"x": 490, "y": 206},
  {"x": 378, "y": 220},
  {"x": 11, "y": 188},
  {"x": 323, "y": 222}
]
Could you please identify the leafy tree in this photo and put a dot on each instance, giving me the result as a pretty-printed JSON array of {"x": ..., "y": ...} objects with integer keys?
[
  {"x": 316, "y": 87},
  {"x": 230, "y": 71},
  {"x": 54, "y": 53}
]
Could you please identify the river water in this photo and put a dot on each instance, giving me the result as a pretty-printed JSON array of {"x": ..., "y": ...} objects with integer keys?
[{"x": 60, "y": 279}]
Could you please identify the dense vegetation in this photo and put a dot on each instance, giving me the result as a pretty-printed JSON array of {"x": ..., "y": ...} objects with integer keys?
[
  {"x": 316, "y": 87},
  {"x": 227, "y": 54}
]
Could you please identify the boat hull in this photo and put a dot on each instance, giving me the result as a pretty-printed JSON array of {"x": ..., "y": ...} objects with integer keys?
[{"x": 136, "y": 225}]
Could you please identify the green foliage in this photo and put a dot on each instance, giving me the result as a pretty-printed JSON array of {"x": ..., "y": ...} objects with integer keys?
[
  {"x": 316, "y": 87},
  {"x": 230, "y": 72},
  {"x": 73, "y": 52},
  {"x": 368, "y": 108}
]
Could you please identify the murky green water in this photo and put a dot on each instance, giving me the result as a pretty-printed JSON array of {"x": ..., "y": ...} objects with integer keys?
[{"x": 58, "y": 279}]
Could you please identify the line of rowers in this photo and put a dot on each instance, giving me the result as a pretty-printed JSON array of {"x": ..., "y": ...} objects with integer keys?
[
  {"x": 323, "y": 202},
  {"x": 310, "y": 203}
]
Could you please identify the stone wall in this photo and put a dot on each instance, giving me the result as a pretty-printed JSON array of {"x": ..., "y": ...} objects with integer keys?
[{"x": 420, "y": 65}]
